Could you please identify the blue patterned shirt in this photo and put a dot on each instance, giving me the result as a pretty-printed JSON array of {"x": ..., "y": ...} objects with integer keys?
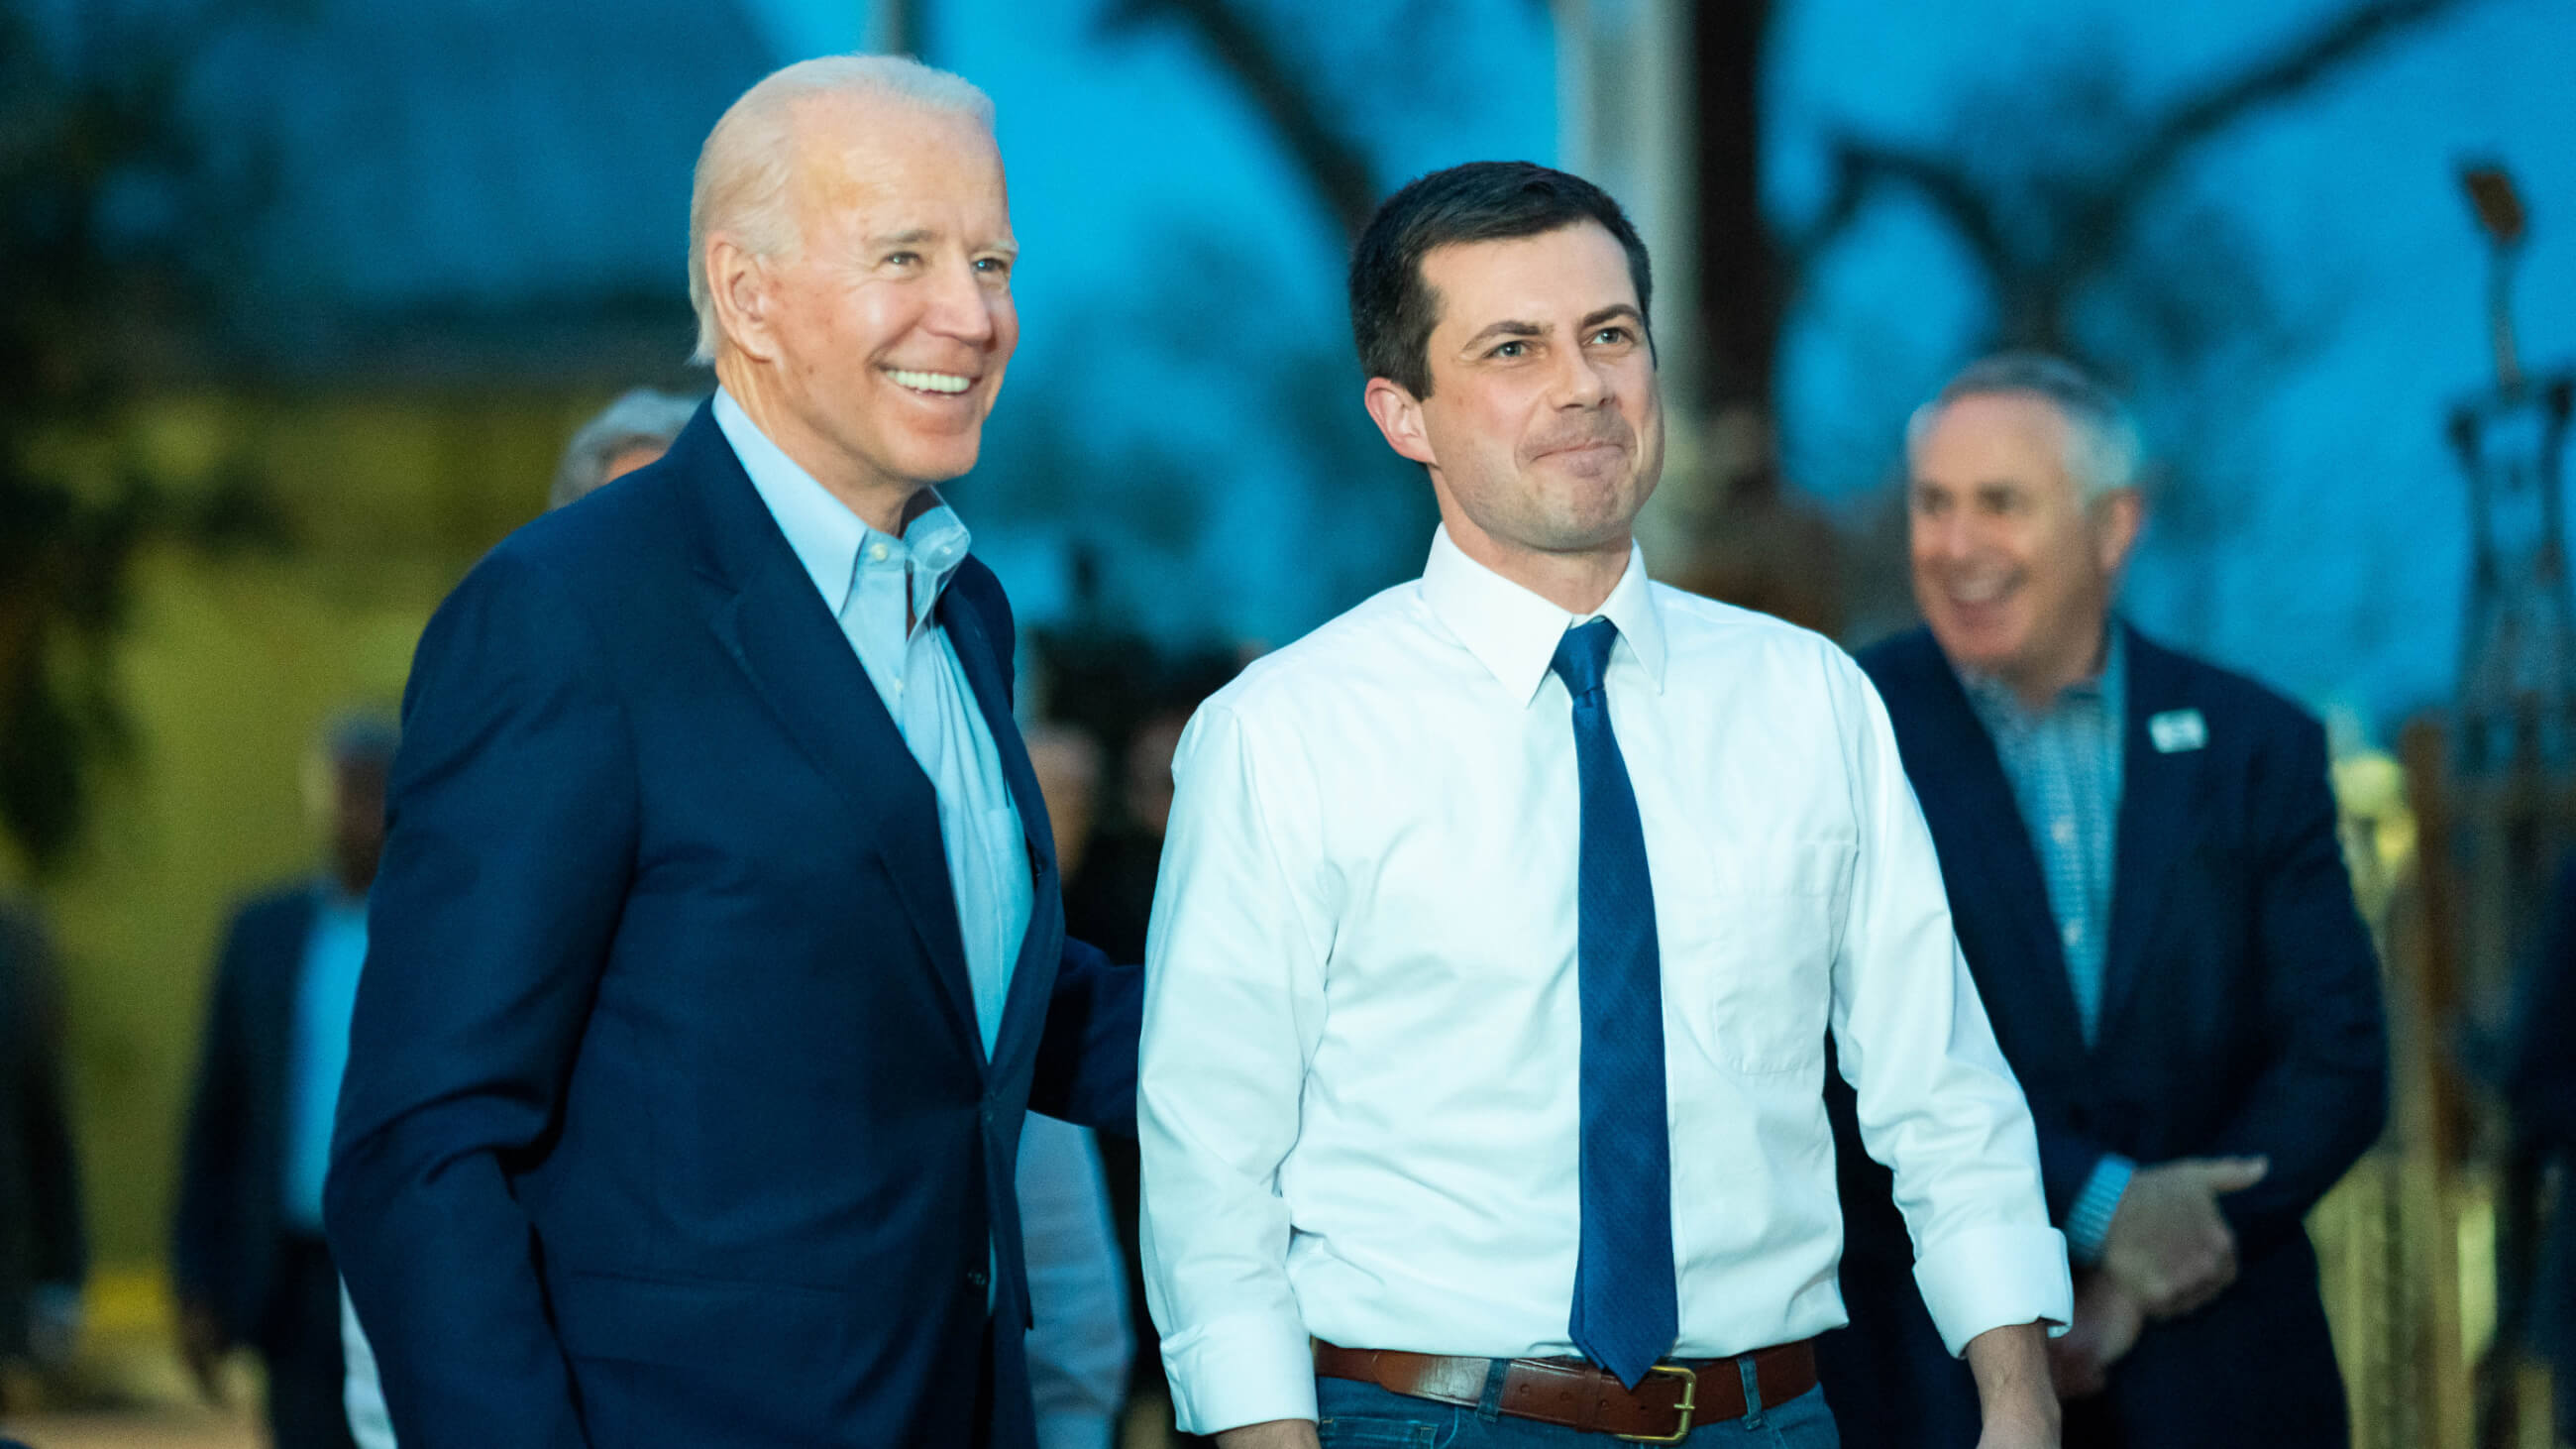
[{"x": 2064, "y": 761}]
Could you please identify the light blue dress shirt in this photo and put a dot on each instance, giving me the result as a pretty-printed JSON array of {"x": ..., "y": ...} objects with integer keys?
[
  {"x": 326, "y": 993},
  {"x": 885, "y": 592},
  {"x": 2064, "y": 761}
]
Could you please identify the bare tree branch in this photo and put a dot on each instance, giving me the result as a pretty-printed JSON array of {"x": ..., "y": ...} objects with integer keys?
[
  {"x": 1336, "y": 167},
  {"x": 1863, "y": 168},
  {"x": 2093, "y": 213},
  {"x": 2303, "y": 63}
]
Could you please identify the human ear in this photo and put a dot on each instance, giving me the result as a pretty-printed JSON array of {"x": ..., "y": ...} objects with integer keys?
[
  {"x": 738, "y": 285},
  {"x": 1398, "y": 415},
  {"x": 2117, "y": 518}
]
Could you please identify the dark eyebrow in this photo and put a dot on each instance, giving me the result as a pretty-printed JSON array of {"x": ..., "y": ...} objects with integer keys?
[
  {"x": 1615, "y": 310},
  {"x": 1507, "y": 329}
]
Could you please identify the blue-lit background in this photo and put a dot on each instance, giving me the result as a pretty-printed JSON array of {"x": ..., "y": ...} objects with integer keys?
[{"x": 304, "y": 295}]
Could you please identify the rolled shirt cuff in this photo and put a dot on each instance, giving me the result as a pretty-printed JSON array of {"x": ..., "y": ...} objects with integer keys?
[
  {"x": 1247, "y": 1369},
  {"x": 2088, "y": 1219},
  {"x": 1994, "y": 1277}
]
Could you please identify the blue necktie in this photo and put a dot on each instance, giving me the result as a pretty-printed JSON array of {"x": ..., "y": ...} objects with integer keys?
[{"x": 1626, "y": 1309}]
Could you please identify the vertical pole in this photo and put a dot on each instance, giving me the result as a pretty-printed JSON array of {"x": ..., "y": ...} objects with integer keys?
[{"x": 1625, "y": 111}]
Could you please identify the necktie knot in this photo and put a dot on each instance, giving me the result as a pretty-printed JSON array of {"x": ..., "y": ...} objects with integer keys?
[{"x": 1583, "y": 656}]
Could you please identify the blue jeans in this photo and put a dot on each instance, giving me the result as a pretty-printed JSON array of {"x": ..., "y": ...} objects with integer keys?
[{"x": 1354, "y": 1415}]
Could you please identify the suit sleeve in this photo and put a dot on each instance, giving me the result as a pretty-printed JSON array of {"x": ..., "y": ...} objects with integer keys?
[
  {"x": 512, "y": 819},
  {"x": 2322, "y": 1097},
  {"x": 210, "y": 1158},
  {"x": 2067, "y": 1162},
  {"x": 1086, "y": 1067}
]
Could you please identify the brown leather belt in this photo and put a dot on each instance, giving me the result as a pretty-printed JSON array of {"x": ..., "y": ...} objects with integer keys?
[{"x": 1577, "y": 1395}]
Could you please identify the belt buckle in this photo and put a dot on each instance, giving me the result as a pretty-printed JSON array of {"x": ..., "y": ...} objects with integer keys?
[{"x": 1690, "y": 1402}]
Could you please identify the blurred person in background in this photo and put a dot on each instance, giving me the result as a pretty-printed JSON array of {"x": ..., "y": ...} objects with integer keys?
[
  {"x": 2540, "y": 1086},
  {"x": 2142, "y": 863},
  {"x": 1110, "y": 901},
  {"x": 1081, "y": 1346},
  {"x": 44, "y": 1254},
  {"x": 634, "y": 430},
  {"x": 1501, "y": 924},
  {"x": 719, "y": 954},
  {"x": 249, "y": 1263}
]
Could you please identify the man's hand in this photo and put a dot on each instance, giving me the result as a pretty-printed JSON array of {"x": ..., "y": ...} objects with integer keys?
[
  {"x": 2167, "y": 1245},
  {"x": 201, "y": 1347},
  {"x": 1275, "y": 1434},
  {"x": 2107, "y": 1323},
  {"x": 2011, "y": 1365}
]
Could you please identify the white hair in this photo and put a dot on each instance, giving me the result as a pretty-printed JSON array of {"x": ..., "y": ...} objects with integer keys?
[
  {"x": 641, "y": 418},
  {"x": 2103, "y": 449},
  {"x": 741, "y": 183}
]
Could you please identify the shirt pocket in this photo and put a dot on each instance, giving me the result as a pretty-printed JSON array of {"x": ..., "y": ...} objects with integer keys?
[{"x": 1766, "y": 926}]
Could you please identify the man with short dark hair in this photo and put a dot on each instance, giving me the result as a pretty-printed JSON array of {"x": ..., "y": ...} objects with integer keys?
[
  {"x": 1502, "y": 925},
  {"x": 2144, "y": 869}
]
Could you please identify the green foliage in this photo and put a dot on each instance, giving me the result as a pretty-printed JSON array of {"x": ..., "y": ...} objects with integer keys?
[{"x": 112, "y": 228}]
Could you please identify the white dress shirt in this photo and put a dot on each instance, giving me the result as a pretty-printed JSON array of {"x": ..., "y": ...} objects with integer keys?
[{"x": 1358, "y": 1109}]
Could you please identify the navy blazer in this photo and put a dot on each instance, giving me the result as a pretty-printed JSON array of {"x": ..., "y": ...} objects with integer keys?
[
  {"x": 667, "y": 1119},
  {"x": 2240, "y": 1014},
  {"x": 2540, "y": 1086},
  {"x": 232, "y": 1174},
  {"x": 42, "y": 1240}
]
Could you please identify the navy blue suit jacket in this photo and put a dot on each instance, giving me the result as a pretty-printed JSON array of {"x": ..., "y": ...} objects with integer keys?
[
  {"x": 233, "y": 1167},
  {"x": 2240, "y": 1014},
  {"x": 41, "y": 1236},
  {"x": 667, "y": 1119},
  {"x": 2540, "y": 1085}
]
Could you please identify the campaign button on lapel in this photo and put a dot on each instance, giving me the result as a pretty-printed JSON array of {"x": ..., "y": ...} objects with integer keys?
[{"x": 2177, "y": 730}]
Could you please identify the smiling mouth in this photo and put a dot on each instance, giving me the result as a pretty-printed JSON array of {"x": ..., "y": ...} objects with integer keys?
[
  {"x": 944, "y": 384},
  {"x": 1978, "y": 593}
]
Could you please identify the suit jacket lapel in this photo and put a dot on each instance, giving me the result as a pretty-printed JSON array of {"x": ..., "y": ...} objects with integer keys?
[
  {"x": 765, "y": 611},
  {"x": 1977, "y": 799},
  {"x": 988, "y": 675},
  {"x": 2159, "y": 796}
]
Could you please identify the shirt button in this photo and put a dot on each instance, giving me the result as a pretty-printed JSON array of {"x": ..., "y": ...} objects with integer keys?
[
  {"x": 878, "y": 552},
  {"x": 975, "y": 1277},
  {"x": 2063, "y": 832}
]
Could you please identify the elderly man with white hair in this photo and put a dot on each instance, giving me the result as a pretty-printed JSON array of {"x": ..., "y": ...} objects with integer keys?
[{"x": 718, "y": 950}]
